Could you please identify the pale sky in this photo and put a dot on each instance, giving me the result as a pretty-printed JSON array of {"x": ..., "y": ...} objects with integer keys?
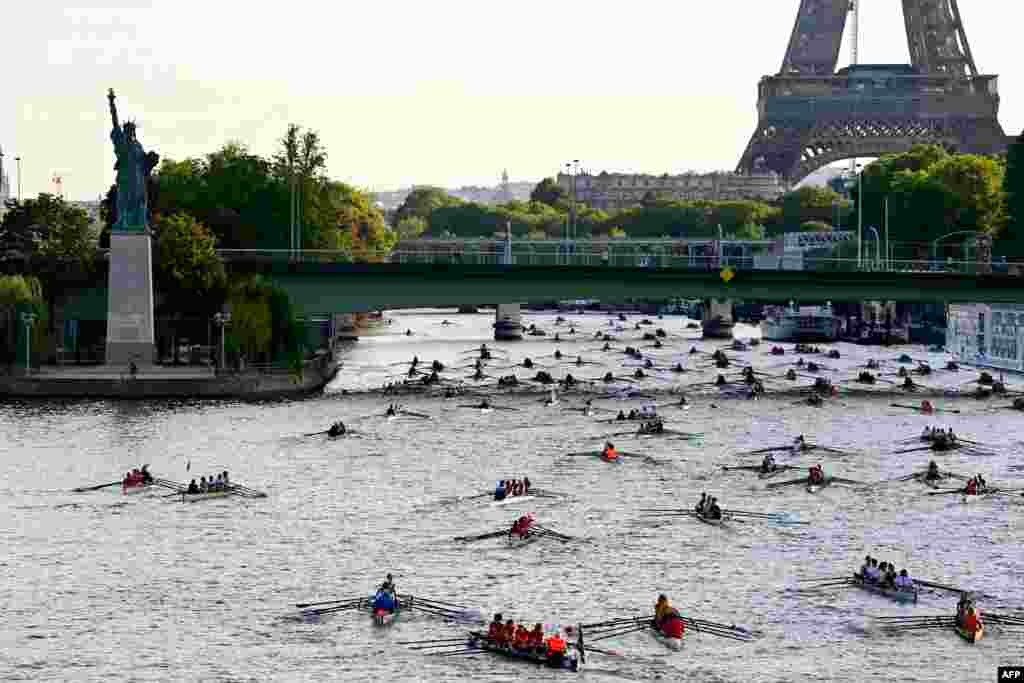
[{"x": 445, "y": 92}]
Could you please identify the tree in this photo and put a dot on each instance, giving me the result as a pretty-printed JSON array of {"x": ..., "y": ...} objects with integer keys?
[
  {"x": 423, "y": 201},
  {"x": 815, "y": 226},
  {"x": 975, "y": 184},
  {"x": 1013, "y": 187},
  {"x": 46, "y": 226},
  {"x": 411, "y": 227},
  {"x": 548, "y": 192},
  {"x": 189, "y": 269},
  {"x": 811, "y": 203}
]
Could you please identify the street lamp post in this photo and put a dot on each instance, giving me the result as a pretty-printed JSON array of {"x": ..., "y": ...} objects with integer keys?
[
  {"x": 17, "y": 160},
  {"x": 30, "y": 320},
  {"x": 860, "y": 213},
  {"x": 221, "y": 320},
  {"x": 878, "y": 245}
]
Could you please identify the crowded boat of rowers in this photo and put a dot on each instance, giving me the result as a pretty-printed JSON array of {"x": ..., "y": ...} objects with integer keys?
[
  {"x": 220, "y": 484},
  {"x": 882, "y": 578},
  {"x": 707, "y": 508},
  {"x": 137, "y": 480},
  {"x": 505, "y": 636},
  {"x": 512, "y": 488}
]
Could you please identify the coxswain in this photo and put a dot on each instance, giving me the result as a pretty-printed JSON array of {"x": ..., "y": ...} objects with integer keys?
[
  {"x": 526, "y": 485},
  {"x": 702, "y": 504},
  {"x": 192, "y": 487},
  {"x": 933, "y": 472},
  {"x": 337, "y": 429},
  {"x": 556, "y": 649},
  {"x": 391, "y": 412},
  {"x": 408, "y": 333},
  {"x": 621, "y": 416},
  {"x": 500, "y": 492},
  {"x": 496, "y": 630},
  {"x": 768, "y": 464}
]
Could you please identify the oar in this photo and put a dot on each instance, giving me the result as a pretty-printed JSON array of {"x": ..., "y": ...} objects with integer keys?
[
  {"x": 416, "y": 598},
  {"x": 791, "y": 482},
  {"x": 95, "y": 488},
  {"x": 317, "y": 433},
  {"x": 481, "y": 537},
  {"x": 414, "y": 414},
  {"x": 934, "y": 410},
  {"x": 434, "y": 640},
  {"x": 750, "y": 468},
  {"x": 471, "y": 651},
  {"x": 951, "y": 589},
  {"x": 552, "y": 532},
  {"x": 944, "y": 493},
  {"x": 303, "y": 605},
  {"x": 754, "y": 514},
  {"x": 831, "y": 578},
  {"x": 841, "y": 480}
]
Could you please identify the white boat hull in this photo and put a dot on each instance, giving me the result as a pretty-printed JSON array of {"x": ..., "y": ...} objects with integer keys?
[
  {"x": 210, "y": 495},
  {"x": 508, "y": 500}
]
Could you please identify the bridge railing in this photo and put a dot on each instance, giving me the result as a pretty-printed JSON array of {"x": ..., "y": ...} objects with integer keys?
[{"x": 617, "y": 259}]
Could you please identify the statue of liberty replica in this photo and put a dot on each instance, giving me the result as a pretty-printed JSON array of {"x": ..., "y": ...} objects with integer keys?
[{"x": 130, "y": 334}]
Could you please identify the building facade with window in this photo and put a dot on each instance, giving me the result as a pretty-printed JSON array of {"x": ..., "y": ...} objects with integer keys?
[
  {"x": 987, "y": 335},
  {"x": 622, "y": 190}
]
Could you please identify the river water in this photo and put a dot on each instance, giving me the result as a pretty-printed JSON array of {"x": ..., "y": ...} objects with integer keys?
[{"x": 102, "y": 586}]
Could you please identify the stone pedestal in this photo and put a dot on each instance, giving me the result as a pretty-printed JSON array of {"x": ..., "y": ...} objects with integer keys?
[{"x": 130, "y": 336}]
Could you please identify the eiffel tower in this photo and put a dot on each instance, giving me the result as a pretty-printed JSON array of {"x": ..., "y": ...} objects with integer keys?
[{"x": 810, "y": 115}]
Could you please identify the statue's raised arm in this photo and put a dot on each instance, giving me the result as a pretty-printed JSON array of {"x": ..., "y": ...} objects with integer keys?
[{"x": 113, "y": 110}]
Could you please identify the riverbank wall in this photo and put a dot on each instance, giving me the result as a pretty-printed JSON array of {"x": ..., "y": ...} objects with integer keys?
[{"x": 159, "y": 382}]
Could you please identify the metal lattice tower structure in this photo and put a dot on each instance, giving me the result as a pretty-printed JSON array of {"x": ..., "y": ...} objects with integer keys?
[{"x": 810, "y": 115}]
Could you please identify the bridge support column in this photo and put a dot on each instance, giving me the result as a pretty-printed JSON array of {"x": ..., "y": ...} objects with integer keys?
[
  {"x": 717, "y": 320},
  {"x": 508, "y": 325}
]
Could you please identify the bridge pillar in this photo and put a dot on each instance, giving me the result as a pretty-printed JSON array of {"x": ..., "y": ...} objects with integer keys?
[
  {"x": 508, "y": 324},
  {"x": 717, "y": 319}
]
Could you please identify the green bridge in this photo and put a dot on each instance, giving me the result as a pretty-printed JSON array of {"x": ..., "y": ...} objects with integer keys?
[{"x": 319, "y": 284}]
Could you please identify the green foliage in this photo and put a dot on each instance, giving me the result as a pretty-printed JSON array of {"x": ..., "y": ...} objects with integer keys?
[
  {"x": 47, "y": 226},
  {"x": 411, "y": 227},
  {"x": 423, "y": 201},
  {"x": 932, "y": 193},
  {"x": 815, "y": 226},
  {"x": 810, "y": 203},
  {"x": 549, "y": 192},
  {"x": 19, "y": 290},
  {"x": 188, "y": 267},
  {"x": 1013, "y": 187},
  {"x": 263, "y": 322}
]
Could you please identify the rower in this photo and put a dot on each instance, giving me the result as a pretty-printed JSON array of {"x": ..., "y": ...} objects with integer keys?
[
  {"x": 865, "y": 568},
  {"x": 389, "y": 584},
  {"x": 147, "y": 478},
  {"x": 621, "y": 416},
  {"x": 192, "y": 487},
  {"x": 933, "y": 472},
  {"x": 500, "y": 492},
  {"x": 972, "y": 487},
  {"x": 609, "y": 452},
  {"x": 521, "y": 640},
  {"x": 982, "y": 484},
  {"x": 556, "y": 649},
  {"x": 536, "y": 639},
  {"x": 526, "y": 485},
  {"x": 702, "y": 504},
  {"x": 714, "y": 512},
  {"x": 391, "y": 412},
  {"x": 768, "y": 464},
  {"x": 485, "y": 404},
  {"x": 662, "y": 609},
  {"x": 817, "y": 474},
  {"x": 904, "y": 582}
]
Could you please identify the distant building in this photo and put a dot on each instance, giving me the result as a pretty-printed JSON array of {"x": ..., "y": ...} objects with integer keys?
[
  {"x": 502, "y": 193},
  {"x": 623, "y": 190}
]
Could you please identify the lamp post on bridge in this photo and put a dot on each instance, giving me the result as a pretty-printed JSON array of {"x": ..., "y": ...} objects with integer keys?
[
  {"x": 221, "y": 320},
  {"x": 878, "y": 245},
  {"x": 17, "y": 160},
  {"x": 30, "y": 320}
]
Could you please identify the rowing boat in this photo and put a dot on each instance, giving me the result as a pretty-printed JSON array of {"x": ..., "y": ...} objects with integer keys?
[
  {"x": 479, "y": 641},
  {"x": 814, "y": 488},
  {"x": 209, "y": 495},
  {"x": 970, "y": 636},
  {"x": 772, "y": 473},
  {"x": 896, "y": 594},
  {"x": 384, "y": 617},
  {"x": 517, "y": 541},
  {"x": 384, "y": 608},
  {"x": 669, "y": 634},
  {"x": 707, "y": 520},
  {"x": 512, "y": 499}
]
